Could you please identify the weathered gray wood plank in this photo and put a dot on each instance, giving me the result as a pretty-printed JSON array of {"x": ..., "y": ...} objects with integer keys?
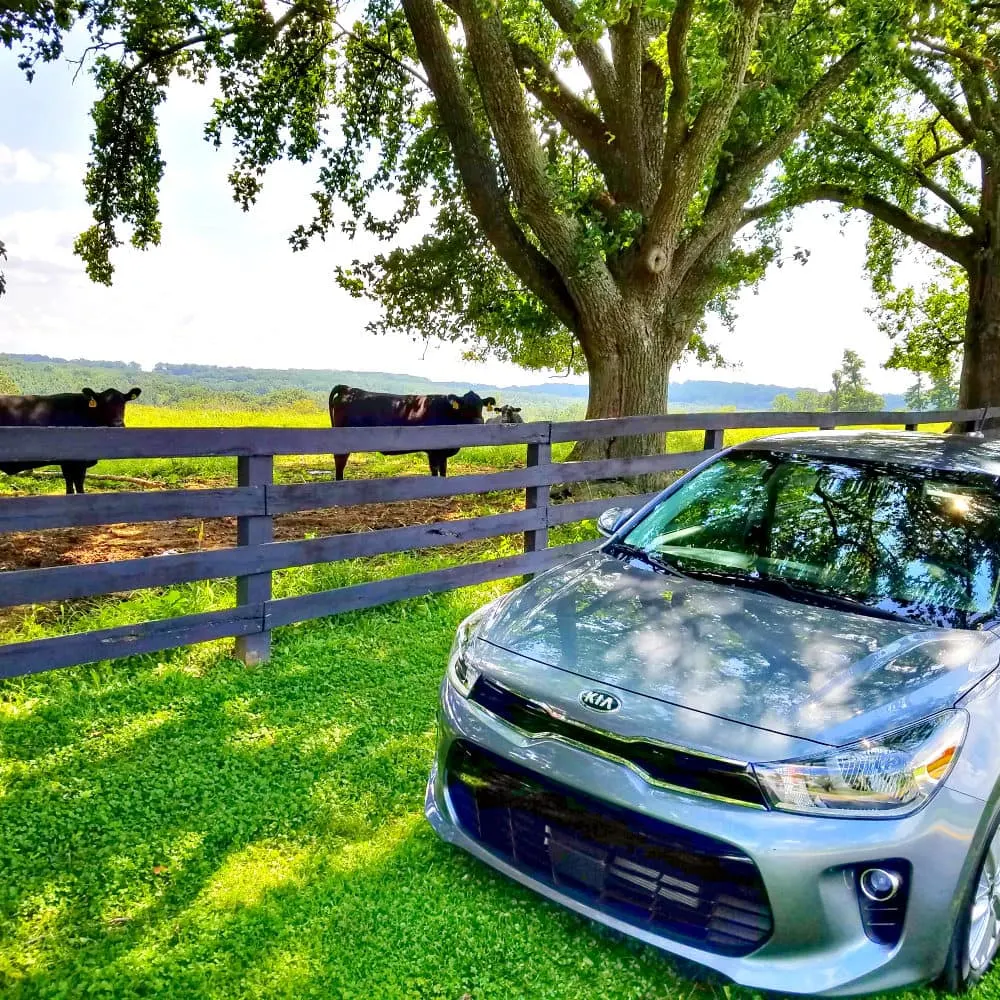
[
  {"x": 537, "y": 498},
  {"x": 86, "y": 443},
  {"x": 615, "y": 468},
  {"x": 254, "y": 471},
  {"x": 368, "y": 595},
  {"x": 60, "y": 583},
  {"x": 350, "y": 492},
  {"x": 586, "y": 430},
  {"x": 128, "y": 640},
  {"x": 35, "y": 513}
]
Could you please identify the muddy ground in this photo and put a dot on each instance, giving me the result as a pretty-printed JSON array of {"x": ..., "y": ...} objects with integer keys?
[{"x": 102, "y": 543}]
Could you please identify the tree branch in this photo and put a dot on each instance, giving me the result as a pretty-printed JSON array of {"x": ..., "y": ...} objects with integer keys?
[
  {"x": 960, "y": 249},
  {"x": 383, "y": 54},
  {"x": 626, "y": 49},
  {"x": 517, "y": 141},
  {"x": 479, "y": 175},
  {"x": 654, "y": 91},
  {"x": 592, "y": 57},
  {"x": 722, "y": 212},
  {"x": 948, "y": 108},
  {"x": 861, "y": 141},
  {"x": 944, "y": 152},
  {"x": 684, "y": 165},
  {"x": 680, "y": 76},
  {"x": 955, "y": 52},
  {"x": 571, "y": 112}
]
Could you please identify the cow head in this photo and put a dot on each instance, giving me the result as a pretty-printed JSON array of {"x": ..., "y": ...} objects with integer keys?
[
  {"x": 468, "y": 409},
  {"x": 509, "y": 414},
  {"x": 107, "y": 409}
]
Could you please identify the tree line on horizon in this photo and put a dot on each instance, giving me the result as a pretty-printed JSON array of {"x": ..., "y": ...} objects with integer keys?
[
  {"x": 596, "y": 176},
  {"x": 213, "y": 387}
]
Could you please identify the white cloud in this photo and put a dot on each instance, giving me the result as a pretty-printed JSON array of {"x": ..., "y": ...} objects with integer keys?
[{"x": 22, "y": 166}]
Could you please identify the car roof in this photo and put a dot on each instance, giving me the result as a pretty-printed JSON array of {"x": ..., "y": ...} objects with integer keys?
[{"x": 947, "y": 452}]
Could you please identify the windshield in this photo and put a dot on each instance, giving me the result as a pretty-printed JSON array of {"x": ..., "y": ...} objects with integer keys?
[{"x": 922, "y": 544}]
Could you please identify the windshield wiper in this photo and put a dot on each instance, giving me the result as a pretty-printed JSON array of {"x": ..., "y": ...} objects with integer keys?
[
  {"x": 651, "y": 560},
  {"x": 821, "y": 598}
]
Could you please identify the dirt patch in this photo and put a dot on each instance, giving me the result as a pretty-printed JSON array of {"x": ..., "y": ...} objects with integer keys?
[{"x": 104, "y": 543}]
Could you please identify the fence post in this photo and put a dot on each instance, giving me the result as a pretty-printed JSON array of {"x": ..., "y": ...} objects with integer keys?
[
  {"x": 714, "y": 437},
  {"x": 254, "y": 470},
  {"x": 537, "y": 497}
]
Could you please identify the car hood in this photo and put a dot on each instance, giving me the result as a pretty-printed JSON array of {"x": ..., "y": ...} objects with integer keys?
[{"x": 757, "y": 659}]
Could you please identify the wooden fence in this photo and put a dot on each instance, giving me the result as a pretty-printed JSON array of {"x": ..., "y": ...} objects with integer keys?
[{"x": 256, "y": 499}]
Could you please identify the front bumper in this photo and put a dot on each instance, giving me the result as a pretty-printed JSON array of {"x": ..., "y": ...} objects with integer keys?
[{"x": 818, "y": 944}]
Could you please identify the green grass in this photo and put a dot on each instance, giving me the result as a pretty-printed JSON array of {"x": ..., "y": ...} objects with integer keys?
[
  {"x": 181, "y": 472},
  {"x": 182, "y": 826}
]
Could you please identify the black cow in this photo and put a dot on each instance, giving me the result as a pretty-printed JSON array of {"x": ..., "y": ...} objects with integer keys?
[
  {"x": 351, "y": 407},
  {"x": 507, "y": 415},
  {"x": 65, "y": 409}
]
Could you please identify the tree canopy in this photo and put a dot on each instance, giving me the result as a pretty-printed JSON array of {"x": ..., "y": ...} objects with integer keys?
[
  {"x": 585, "y": 167},
  {"x": 915, "y": 144}
]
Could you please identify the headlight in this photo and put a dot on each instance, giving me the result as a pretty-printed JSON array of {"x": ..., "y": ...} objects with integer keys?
[
  {"x": 884, "y": 776},
  {"x": 461, "y": 672}
]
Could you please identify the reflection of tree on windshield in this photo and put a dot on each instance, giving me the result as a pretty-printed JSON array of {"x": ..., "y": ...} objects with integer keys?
[{"x": 916, "y": 542}]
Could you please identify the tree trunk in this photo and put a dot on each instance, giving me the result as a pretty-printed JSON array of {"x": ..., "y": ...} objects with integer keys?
[
  {"x": 629, "y": 367},
  {"x": 980, "y": 382}
]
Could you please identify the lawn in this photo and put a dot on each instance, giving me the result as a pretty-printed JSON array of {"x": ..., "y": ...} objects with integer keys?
[{"x": 182, "y": 826}]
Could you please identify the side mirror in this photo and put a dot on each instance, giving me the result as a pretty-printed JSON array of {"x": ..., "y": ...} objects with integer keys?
[{"x": 612, "y": 519}]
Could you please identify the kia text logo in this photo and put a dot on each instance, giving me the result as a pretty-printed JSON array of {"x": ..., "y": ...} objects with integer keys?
[{"x": 600, "y": 701}]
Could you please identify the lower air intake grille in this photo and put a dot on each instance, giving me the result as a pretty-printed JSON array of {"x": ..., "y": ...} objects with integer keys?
[
  {"x": 883, "y": 921},
  {"x": 651, "y": 874}
]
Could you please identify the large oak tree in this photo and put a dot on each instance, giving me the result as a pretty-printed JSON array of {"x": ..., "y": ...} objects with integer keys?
[{"x": 586, "y": 166}]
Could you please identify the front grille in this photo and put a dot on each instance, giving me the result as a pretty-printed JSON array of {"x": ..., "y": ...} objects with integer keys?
[
  {"x": 705, "y": 775},
  {"x": 653, "y": 875}
]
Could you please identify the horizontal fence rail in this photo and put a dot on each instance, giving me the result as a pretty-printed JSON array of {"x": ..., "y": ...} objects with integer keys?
[{"x": 256, "y": 500}]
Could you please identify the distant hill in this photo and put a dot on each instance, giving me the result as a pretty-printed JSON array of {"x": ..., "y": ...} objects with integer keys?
[{"x": 203, "y": 385}]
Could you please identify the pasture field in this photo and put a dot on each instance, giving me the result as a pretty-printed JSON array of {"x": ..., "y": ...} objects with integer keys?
[{"x": 177, "y": 825}]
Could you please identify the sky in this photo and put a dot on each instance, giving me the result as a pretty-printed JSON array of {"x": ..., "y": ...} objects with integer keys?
[{"x": 225, "y": 288}]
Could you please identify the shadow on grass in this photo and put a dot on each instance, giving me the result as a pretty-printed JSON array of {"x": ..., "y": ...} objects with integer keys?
[{"x": 182, "y": 826}]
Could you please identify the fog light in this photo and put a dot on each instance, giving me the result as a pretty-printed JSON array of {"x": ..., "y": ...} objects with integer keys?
[{"x": 880, "y": 885}]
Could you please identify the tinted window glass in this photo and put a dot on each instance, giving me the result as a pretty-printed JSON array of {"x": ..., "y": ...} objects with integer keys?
[{"x": 922, "y": 543}]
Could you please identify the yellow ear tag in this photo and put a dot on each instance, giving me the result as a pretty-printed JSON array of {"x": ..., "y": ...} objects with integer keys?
[
  {"x": 92, "y": 404},
  {"x": 668, "y": 596},
  {"x": 455, "y": 404}
]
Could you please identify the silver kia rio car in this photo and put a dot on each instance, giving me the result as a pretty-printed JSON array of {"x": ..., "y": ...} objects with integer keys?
[{"x": 759, "y": 726}]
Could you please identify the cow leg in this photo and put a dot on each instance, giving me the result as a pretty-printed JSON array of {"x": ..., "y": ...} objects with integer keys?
[
  {"x": 443, "y": 465},
  {"x": 340, "y": 463},
  {"x": 74, "y": 473},
  {"x": 434, "y": 461}
]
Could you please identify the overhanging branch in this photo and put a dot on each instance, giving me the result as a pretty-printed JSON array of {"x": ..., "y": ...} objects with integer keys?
[
  {"x": 960, "y": 249},
  {"x": 859, "y": 140},
  {"x": 722, "y": 213},
  {"x": 476, "y": 168}
]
